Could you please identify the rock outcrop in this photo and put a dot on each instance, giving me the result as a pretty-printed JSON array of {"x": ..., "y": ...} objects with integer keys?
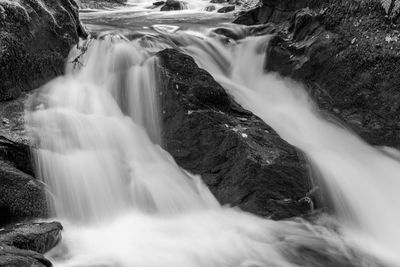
[
  {"x": 242, "y": 160},
  {"x": 348, "y": 55},
  {"x": 15, "y": 257},
  {"x": 275, "y": 11},
  {"x": 21, "y": 195},
  {"x": 35, "y": 39},
  {"x": 171, "y": 5},
  {"x": 22, "y": 245},
  {"x": 38, "y": 237}
]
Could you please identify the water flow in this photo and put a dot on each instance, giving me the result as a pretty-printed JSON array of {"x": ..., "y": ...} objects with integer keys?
[
  {"x": 123, "y": 200},
  {"x": 97, "y": 161},
  {"x": 362, "y": 181}
]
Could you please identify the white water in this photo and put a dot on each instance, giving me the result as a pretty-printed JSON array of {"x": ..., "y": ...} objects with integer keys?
[
  {"x": 363, "y": 181},
  {"x": 124, "y": 202}
]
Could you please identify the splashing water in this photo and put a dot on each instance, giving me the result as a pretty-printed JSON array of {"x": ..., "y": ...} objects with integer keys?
[
  {"x": 125, "y": 202},
  {"x": 363, "y": 182}
]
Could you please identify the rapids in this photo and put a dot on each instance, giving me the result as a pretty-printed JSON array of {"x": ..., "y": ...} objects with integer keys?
[{"x": 125, "y": 202}]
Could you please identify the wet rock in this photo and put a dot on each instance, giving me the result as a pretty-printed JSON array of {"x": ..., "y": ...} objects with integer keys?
[
  {"x": 273, "y": 11},
  {"x": 210, "y": 8},
  {"x": 14, "y": 257},
  {"x": 218, "y": 1},
  {"x": 35, "y": 38},
  {"x": 347, "y": 64},
  {"x": 242, "y": 160},
  {"x": 21, "y": 195},
  {"x": 159, "y": 3},
  {"x": 171, "y": 5},
  {"x": 226, "y": 9},
  {"x": 38, "y": 237}
]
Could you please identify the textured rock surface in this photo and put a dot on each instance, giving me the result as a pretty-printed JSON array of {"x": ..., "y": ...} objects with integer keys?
[
  {"x": 275, "y": 11},
  {"x": 35, "y": 39},
  {"x": 347, "y": 56},
  {"x": 171, "y": 5},
  {"x": 39, "y": 237},
  {"x": 242, "y": 160},
  {"x": 21, "y": 195},
  {"x": 14, "y": 257}
]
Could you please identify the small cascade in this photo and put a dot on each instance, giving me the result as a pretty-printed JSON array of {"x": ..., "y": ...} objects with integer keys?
[
  {"x": 94, "y": 152},
  {"x": 125, "y": 202},
  {"x": 361, "y": 180}
]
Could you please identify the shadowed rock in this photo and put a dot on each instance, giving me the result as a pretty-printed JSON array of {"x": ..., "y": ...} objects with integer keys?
[
  {"x": 171, "y": 5},
  {"x": 39, "y": 237},
  {"x": 242, "y": 160},
  {"x": 343, "y": 53},
  {"x": 36, "y": 37},
  {"x": 14, "y": 257}
]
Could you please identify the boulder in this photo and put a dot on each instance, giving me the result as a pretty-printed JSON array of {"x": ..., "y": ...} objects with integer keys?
[
  {"x": 242, "y": 160},
  {"x": 226, "y": 9},
  {"x": 38, "y": 237},
  {"x": 346, "y": 54},
  {"x": 273, "y": 11},
  {"x": 21, "y": 195},
  {"x": 15, "y": 257},
  {"x": 159, "y": 3},
  {"x": 210, "y": 8},
  {"x": 36, "y": 37},
  {"x": 171, "y": 5}
]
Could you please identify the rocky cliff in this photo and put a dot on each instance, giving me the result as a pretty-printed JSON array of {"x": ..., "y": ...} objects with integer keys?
[
  {"x": 347, "y": 53},
  {"x": 35, "y": 39}
]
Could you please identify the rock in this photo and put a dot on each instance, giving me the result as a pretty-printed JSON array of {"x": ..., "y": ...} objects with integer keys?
[
  {"x": 273, "y": 11},
  {"x": 38, "y": 237},
  {"x": 242, "y": 160},
  {"x": 159, "y": 3},
  {"x": 35, "y": 37},
  {"x": 226, "y": 9},
  {"x": 210, "y": 8},
  {"x": 21, "y": 195},
  {"x": 218, "y": 1},
  {"x": 14, "y": 257},
  {"x": 171, "y": 5},
  {"x": 347, "y": 65}
]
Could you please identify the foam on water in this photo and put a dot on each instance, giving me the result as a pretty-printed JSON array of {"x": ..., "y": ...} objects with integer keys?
[{"x": 125, "y": 202}]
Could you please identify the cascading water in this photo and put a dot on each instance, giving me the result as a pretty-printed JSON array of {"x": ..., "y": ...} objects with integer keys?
[
  {"x": 362, "y": 181},
  {"x": 124, "y": 201}
]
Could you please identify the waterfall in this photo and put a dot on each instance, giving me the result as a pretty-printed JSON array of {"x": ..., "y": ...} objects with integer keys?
[
  {"x": 362, "y": 181},
  {"x": 125, "y": 202}
]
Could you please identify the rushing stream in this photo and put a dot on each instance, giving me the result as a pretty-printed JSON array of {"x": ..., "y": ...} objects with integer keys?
[{"x": 125, "y": 202}]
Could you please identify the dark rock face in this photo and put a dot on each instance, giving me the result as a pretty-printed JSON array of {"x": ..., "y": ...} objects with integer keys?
[
  {"x": 210, "y": 8},
  {"x": 171, "y": 5},
  {"x": 226, "y": 9},
  {"x": 159, "y": 3},
  {"x": 38, "y": 237},
  {"x": 35, "y": 38},
  {"x": 21, "y": 195},
  {"x": 14, "y": 257},
  {"x": 242, "y": 160},
  {"x": 349, "y": 64},
  {"x": 275, "y": 11}
]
